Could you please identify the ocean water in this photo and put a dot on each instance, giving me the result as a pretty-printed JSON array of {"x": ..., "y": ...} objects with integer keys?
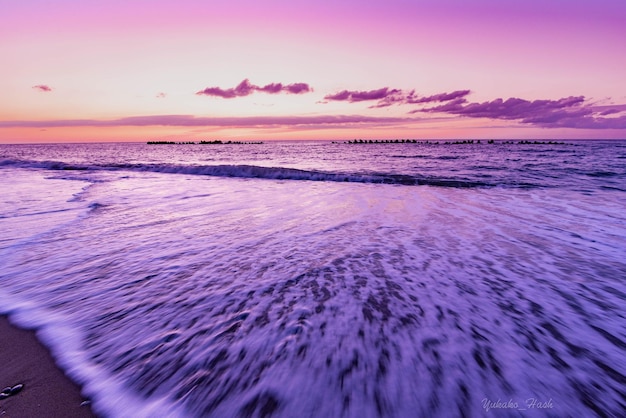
[{"x": 316, "y": 279}]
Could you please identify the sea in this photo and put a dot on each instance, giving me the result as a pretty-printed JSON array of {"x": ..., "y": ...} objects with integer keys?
[{"x": 324, "y": 279}]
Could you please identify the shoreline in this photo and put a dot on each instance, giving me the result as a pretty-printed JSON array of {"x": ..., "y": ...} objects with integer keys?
[{"x": 47, "y": 391}]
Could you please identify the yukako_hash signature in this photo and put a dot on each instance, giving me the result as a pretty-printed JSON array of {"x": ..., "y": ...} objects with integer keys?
[{"x": 530, "y": 403}]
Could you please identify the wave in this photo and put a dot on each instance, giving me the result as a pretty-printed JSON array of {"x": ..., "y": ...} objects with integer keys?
[
  {"x": 432, "y": 157},
  {"x": 273, "y": 173}
]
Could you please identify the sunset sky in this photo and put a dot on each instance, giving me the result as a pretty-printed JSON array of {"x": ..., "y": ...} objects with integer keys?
[{"x": 85, "y": 70}]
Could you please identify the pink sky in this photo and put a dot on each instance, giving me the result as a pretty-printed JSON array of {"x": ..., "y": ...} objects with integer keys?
[{"x": 135, "y": 70}]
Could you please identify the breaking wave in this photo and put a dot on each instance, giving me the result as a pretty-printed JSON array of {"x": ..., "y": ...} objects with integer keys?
[{"x": 272, "y": 173}]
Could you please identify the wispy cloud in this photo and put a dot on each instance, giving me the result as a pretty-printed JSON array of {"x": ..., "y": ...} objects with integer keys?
[
  {"x": 161, "y": 95},
  {"x": 245, "y": 88},
  {"x": 575, "y": 112},
  {"x": 360, "y": 96},
  {"x": 387, "y": 96},
  {"x": 43, "y": 88},
  {"x": 605, "y": 110},
  {"x": 567, "y": 112},
  {"x": 188, "y": 120},
  {"x": 441, "y": 97}
]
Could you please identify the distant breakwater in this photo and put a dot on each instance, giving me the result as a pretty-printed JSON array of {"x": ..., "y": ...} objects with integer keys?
[
  {"x": 463, "y": 142},
  {"x": 216, "y": 142},
  {"x": 374, "y": 141}
]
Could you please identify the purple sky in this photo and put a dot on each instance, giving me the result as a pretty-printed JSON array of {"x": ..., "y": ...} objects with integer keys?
[{"x": 330, "y": 70}]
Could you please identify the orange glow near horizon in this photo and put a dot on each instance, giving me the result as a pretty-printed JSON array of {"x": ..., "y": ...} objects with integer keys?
[{"x": 156, "y": 133}]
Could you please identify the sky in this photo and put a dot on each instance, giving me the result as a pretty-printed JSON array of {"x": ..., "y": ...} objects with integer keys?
[{"x": 135, "y": 70}]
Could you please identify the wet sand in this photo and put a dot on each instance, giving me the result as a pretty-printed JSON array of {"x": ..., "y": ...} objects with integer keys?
[{"x": 47, "y": 392}]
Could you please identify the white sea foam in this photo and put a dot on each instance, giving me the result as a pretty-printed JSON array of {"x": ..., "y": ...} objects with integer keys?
[
  {"x": 209, "y": 296},
  {"x": 108, "y": 395}
]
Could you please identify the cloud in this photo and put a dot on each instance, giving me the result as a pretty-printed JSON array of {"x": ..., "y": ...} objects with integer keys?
[
  {"x": 567, "y": 112},
  {"x": 245, "y": 88},
  {"x": 43, "y": 88},
  {"x": 605, "y": 110},
  {"x": 161, "y": 95},
  {"x": 450, "y": 107},
  {"x": 387, "y": 96},
  {"x": 383, "y": 95},
  {"x": 188, "y": 120},
  {"x": 359, "y": 96},
  {"x": 441, "y": 97},
  {"x": 297, "y": 88}
]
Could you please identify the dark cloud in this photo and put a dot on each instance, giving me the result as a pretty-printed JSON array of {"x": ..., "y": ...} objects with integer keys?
[
  {"x": 579, "y": 121},
  {"x": 387, "y": 96},
  {"x": 43, "y": 88},
  {"x": 450, "y": 107},
  {"x": 298, "y": 88},
  {"x": 245, "y": 88},
  {"x": 441, "y": 97},
  {"x": 360, "y": 96},
  {"x": 341, "y": 96},
  {"x": 567, "y": 112},
  {"x": 605, "y": 110}
]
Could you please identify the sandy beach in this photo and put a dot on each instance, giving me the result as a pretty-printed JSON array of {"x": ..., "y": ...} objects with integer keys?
[{"x": 46, "y": 392}]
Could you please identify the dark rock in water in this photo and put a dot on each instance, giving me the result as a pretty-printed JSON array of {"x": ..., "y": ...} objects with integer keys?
[
  {"x": 10, "y": 391},
  {"x": 16, "y": 389}
]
